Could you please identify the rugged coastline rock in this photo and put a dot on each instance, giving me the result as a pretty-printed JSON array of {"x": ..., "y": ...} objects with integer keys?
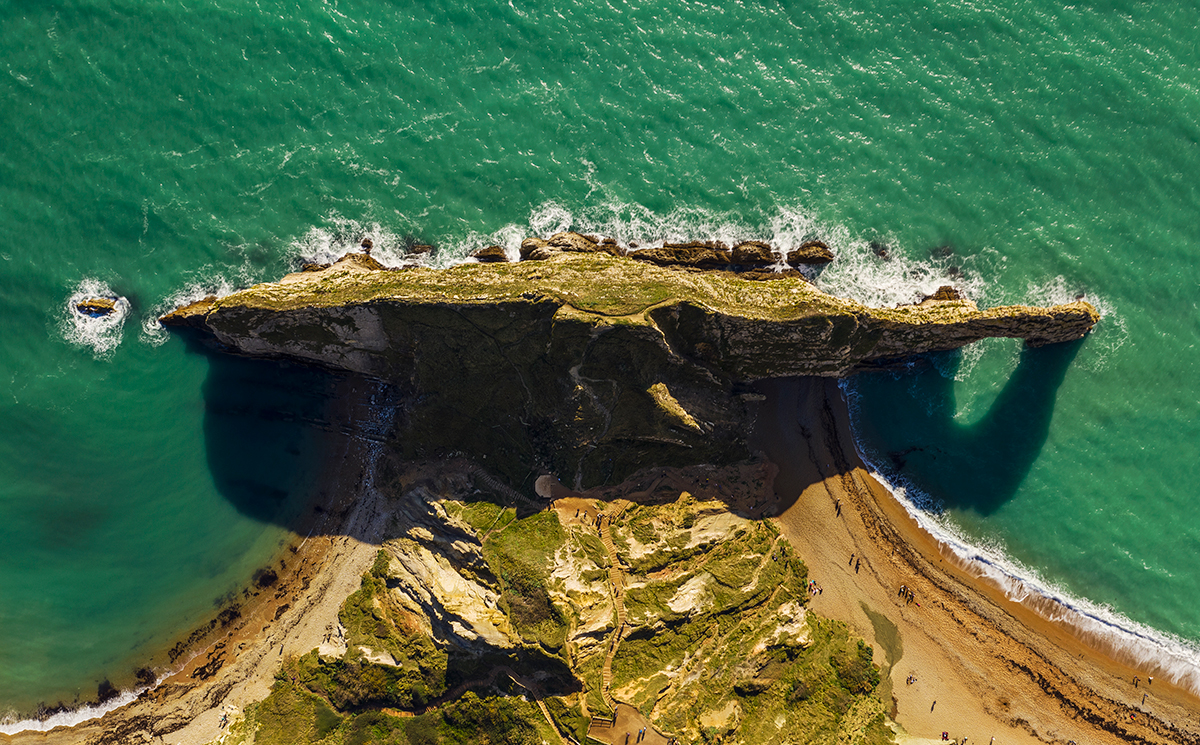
[
  {"x": 701, "y": 255},
  {"x": 754, "y": 254},
  {"x": 96, "y": 307},
  {"x": 491, "y": 253},
  {"x": 810, "y": 252},
  {"x": 562, "y": 356}
]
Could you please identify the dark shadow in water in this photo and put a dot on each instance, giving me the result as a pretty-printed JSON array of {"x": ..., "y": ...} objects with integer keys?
[
  {"x": 908, "y": 419},
  {"x": 264, "y": 427}
]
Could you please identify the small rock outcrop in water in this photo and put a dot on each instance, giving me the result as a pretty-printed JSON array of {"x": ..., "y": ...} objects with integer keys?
[
  {"x": 753, "y": 254},
  {"x": 579, "y": 341},
  {"x": 810, "y": 252},
  {"x": 491, "y": 253},
  {"x": 96, "y": 307},
  {"x": 536, "y": 249}
]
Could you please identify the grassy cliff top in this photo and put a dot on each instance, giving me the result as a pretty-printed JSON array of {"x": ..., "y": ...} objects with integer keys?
[{"x": 595, "y": 284}]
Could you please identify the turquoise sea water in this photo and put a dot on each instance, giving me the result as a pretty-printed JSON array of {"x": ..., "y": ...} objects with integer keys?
[{"x": 1026, "y": 151}]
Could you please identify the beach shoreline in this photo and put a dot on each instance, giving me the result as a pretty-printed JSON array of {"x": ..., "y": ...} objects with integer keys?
[
  {"x": 995, "y": 667},
  {"x": 224, "y": 666},
  {"x": 984, "y": 666}
]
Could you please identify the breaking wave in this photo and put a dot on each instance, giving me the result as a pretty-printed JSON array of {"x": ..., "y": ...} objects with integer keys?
[
  {"x": 11, "y": 726},
  {"x": 1159, "y": 653},
  {"x": 102, "y": 334}
]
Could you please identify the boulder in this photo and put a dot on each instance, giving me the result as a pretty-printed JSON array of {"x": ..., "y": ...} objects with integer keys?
[
  {"x": 943, "y": 294},
  {"x": 700, "y": 256},
  {"x": 542, "y": 253},
  {"x": 578, "y": 243},
  {"x": 529, "y": 245},
  {"x": 753, "y": 253},
  {"x": 311, "y": 267},
  {"x": 96, "y": 307},
  {"x": 490, "y": 254},
  {"x": 810, "y": 252},
  {"x": 359, "y": 262},
  {"x": 417, "y": 249}
]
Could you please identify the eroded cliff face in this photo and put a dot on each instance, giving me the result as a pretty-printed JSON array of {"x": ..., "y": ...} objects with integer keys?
[{"x": 585, "y": 364}]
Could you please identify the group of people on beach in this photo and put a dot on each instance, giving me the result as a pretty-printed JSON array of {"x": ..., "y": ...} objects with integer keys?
[
  {"x": 907, "y": 594},
  {"x": 813, "y": 588}
]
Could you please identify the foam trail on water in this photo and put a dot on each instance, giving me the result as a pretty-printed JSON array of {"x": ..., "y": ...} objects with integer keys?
[
  {"x": 102, "y": 334},
  {"x": 1158, "y": 653}
]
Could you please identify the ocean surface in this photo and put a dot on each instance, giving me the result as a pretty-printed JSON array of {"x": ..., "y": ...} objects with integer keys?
[{"x": 1023, "y": 151}]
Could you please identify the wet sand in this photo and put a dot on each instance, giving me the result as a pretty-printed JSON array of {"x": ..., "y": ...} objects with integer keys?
[{"x": 985, "y": 666}]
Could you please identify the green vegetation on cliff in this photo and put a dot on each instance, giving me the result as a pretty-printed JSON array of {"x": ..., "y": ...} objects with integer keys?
[{"x": 471, "y": 615}]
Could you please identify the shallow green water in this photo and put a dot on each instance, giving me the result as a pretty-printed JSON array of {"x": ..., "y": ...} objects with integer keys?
[{"x": 166, "y": 149}]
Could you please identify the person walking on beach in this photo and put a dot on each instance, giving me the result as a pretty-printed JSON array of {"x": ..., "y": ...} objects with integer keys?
[
  {"x": 856, "y": 564},
  {"x": 851, "y": 560},
  {"x": 931, "y": 707}
]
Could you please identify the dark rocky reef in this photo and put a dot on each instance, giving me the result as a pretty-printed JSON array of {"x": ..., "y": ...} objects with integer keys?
[{"x": 585, "y": 364}]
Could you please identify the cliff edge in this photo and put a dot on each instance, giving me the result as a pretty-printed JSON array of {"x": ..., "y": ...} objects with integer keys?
[{"x": 571, "y": 360}]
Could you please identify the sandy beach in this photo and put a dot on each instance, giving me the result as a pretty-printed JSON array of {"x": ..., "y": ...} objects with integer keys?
[
  {"x": 985, "y": 667},
  {"x": 958, "y": 657}
]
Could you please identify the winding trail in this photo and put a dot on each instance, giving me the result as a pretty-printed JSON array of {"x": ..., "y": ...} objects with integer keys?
[{"x": 616, "y": 579}]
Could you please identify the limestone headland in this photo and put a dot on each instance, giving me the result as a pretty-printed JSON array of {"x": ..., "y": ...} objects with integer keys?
[{"x": 588, "y": 364}]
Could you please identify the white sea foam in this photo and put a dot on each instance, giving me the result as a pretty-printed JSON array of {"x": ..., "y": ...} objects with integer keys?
[
  {"x": 153, "y": 332},
  {"x": 857, "y": 273},
  {"x": 1106, "y": 338},
  {"x": 1158, "y": 653},
  {"x": 12, "y": 726},
  {"x": 326, "y": 245},
  {"x": 102, "y": 334}
]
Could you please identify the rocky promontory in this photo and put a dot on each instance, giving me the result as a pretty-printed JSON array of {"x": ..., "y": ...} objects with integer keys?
[{"x": 573, "y": 358}]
